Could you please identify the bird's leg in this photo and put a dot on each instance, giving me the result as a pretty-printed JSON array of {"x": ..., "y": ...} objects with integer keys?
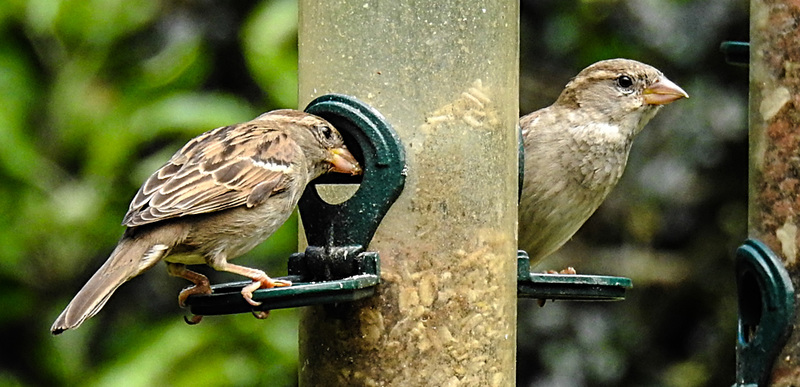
[
  {"x": 260, "y": 279},
  {"x": 201, "y": 284}
]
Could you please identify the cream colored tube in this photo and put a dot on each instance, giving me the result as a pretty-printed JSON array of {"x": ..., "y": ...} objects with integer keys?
[
  {"x": 445, "y": 75},
  {"x": 774, "y": 198}
]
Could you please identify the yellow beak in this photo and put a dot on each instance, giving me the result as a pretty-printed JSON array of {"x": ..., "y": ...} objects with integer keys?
[
  {"x": 662, "y": 92},
  {"x": 344, "y": 162}
]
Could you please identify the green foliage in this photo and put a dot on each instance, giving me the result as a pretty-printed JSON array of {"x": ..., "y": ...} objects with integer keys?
[
  {"x": 96, "y": 95},
  {"x": 270, "y": 46}
]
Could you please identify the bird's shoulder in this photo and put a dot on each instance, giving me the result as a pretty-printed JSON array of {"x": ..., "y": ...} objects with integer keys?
[
  {"x": 231, "y": 166},
  {"x": 545, "y": 120},
  {"x": 557, "y": 123}
]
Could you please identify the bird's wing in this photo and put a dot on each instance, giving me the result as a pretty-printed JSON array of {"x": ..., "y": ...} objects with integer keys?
[{"x": 224, "y": 168}]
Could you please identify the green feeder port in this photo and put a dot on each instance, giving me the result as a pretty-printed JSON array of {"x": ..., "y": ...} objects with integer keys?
[
  {"x": 227, "y": 298},
  {"x": 766, "y": 312}
]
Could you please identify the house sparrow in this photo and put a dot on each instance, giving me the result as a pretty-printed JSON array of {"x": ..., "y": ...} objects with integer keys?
[
  {"x": 222, "y": 194},
  {"x": 576, "y": 148}
]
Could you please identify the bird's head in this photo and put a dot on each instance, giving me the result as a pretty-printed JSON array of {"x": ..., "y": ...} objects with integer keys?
[
  {"x": 620, "y": 92},
  {"x": 322, "y": 144}
]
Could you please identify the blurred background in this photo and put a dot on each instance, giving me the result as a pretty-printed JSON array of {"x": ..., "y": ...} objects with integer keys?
[{"x": 97, "y": 94}]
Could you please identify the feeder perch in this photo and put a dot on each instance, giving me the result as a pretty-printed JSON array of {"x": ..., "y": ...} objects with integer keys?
[{"x": 573, "y": 287}]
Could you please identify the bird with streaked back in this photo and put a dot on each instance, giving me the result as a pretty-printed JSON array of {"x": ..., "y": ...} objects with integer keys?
[{"x": 219, "y": 196}]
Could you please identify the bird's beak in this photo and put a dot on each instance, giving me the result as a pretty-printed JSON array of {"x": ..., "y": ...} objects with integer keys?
[
  {"x": 343, "y": 161},
  {"x": 663, "y": 92}
]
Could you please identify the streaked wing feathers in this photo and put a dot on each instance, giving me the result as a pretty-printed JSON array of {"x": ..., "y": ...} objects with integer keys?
[{"x": 224, "y": 168}]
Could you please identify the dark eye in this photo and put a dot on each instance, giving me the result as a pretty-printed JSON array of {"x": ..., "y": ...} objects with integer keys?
[
  {"x": 326, "y": 131},
  {"x": 624, "y": 81}
]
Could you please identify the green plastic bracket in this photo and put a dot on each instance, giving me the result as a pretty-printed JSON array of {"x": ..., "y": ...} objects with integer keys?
[
  {"x": 371, "y": 139},
  {"x": 335, "y": 267},
  {"x": 766, "y": 312},
  {"x": 736, "y": 53},
  {"x": 227, "y": 298},
  {"x": 572, "y": 287}
]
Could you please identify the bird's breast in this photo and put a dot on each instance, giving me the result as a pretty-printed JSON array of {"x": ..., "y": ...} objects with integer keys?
[{"x": 602, "y": 152}]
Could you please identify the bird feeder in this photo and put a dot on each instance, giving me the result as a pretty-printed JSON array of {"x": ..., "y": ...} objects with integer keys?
[
  {"x": 414, "y": 278},
  {"x": 445, "y": 76},
  {"x": 764, "y": 287},
  {"x": 767, "y": 348}
]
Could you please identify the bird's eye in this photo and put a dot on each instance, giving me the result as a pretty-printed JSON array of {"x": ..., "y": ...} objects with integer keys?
[
  {"x": 624, "y": 81},
  {"x": 326, "y": 131}
]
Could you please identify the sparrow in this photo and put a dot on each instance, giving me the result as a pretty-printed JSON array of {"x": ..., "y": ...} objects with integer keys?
[
  {"x": 576, "y": 149},
  {"x": 222, "y": 194}
]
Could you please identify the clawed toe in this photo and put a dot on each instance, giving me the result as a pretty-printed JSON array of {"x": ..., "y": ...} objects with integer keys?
[
  {"x": 260, "y": 314},
  {"x": 541, "y": 301},
  {"x": 568, "y": 271},
  {"x": 197, "y": 289},
  {"x": 249, "y": 298},
  {"x": 194, "y": 320},
  {"x": 261, "y": 283}
]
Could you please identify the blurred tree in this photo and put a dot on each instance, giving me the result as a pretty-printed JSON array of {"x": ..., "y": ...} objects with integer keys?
[{"x": 98, "y": 94}]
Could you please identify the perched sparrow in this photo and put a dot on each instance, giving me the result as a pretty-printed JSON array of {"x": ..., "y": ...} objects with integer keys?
[
  {"x": 222, "y": 194},
  {"x": 576, "y": 148}
]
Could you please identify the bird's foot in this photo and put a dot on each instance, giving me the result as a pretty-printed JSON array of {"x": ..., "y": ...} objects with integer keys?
[
  {"x": 260, "y": 314},
  {"x": 194, "y": 320},
  {"x": 200, "y": 288},
  {"x": 569, "y": 271},
  {"x": 262, "y": 282},
  {"x": 201, "y": 284}
]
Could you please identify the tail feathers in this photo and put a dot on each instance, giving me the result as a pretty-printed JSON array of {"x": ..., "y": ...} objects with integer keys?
[{"x": 129, "y": 259}]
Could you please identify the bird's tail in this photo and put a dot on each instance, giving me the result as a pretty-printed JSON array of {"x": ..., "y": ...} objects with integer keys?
[{"x": 130, "y": 258}]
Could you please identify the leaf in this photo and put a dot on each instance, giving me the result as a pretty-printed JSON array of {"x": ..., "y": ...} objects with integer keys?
[{"x": 270, "y": 47}]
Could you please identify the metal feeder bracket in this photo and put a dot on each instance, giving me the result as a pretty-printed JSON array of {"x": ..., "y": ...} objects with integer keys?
[
  {"x": 736, "y": 53},
  {"x": 572, "y": 287},
  {"x": 336, "y": 266},
  {"x": 766, "y": 312}
]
